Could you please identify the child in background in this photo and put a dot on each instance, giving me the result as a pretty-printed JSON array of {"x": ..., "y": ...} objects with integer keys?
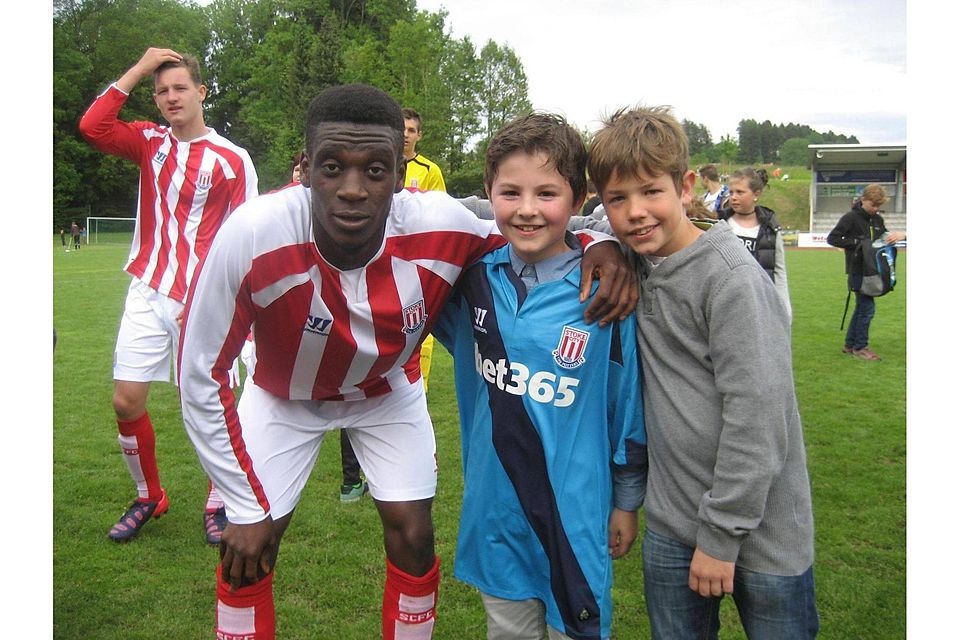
[
  {"x": 728, "y": 507},
  {"x": 758, "y": 227},
  {"x": 554, "y": 449}
]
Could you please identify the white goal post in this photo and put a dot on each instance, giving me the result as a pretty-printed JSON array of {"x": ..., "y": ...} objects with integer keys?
[{"x": 103, "y": 230}]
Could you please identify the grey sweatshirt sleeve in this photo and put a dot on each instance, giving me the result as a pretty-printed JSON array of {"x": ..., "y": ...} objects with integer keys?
[{"x": 749, "y": 344}]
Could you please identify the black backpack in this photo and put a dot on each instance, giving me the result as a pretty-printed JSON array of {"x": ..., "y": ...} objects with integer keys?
[{"x": 879, "y": 269}]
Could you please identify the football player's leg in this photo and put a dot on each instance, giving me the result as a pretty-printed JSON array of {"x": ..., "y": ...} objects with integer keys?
[
  {"x": 395, "y": 444},
  {"x": 282, "y": 438},
  {"x": 413, "y": 570},
  {"x": 249, "y": 611},
  {"x": 142, "y": 356}
]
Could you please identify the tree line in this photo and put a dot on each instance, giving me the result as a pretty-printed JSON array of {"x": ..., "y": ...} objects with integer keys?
[
  {"x": 759, "y": 143},
  {"x": 263, "y": 60}
]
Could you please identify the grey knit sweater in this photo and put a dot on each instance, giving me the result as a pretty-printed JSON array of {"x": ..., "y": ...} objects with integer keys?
[{"x": 727, "y": 462}]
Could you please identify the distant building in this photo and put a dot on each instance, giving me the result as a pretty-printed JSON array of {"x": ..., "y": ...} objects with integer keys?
[{"x": 841, "y": 171}]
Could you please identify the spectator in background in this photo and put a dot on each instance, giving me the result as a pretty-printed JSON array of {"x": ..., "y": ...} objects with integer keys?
[
  {"x": 422, "y": 173},
  {"x": 75, "y": 235},
  {"x": 758, "y": 227},
  {"x": 425, "y": 175},
  {"x": 862, "y": 222},
  {"x": 715, "y": 197}
]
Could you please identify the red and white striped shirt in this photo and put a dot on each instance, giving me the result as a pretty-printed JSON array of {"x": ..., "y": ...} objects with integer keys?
[{"x": 187, "y": 189}]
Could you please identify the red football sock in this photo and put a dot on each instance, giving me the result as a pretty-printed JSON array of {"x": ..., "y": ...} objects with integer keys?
[
  {"x": 139, "y": 448},
  {"x": 410, "y": 603},
  {"x": 247, "y": 613}
]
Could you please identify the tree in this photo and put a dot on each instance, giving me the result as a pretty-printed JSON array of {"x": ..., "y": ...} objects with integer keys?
[
  {"x": 727, "y": 150},
  {"x": 698, "y": 137},
  {"x": 460, "y": 71},
  {"x": 794, "y": 152},
  {"x": 503, "y": 82}
]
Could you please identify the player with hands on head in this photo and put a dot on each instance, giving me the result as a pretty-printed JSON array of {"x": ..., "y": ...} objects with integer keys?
[
  {"x": 191, "y": 179},
  {"x": 341, "y": 281}
]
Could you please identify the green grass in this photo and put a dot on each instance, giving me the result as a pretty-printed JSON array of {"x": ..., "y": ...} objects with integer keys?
[{"x": 330, "y": 572}]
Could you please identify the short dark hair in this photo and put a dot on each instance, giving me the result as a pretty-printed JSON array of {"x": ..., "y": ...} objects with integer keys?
[
  {"x": 709, "y": 172},
  {"x": 546, "y": 133},
  {"x": 410, "y": 114},
  {"x": 188, "y": 62},
  {"x": 357, "y": 104}
]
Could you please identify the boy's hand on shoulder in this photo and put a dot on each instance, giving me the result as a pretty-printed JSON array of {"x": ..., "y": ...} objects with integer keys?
[
  {"x": 617, "y": 295},
  {"x": 709, "y": 576},
  {"x": 622, "y": 532}
]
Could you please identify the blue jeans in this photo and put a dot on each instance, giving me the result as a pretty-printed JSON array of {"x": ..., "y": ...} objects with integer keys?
[
  {"x": 858, "y": 332},
  {"x": 771, "y": 607}
]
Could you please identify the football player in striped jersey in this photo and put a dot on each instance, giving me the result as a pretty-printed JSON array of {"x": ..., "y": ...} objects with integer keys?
[{"x": 191, "y": 179}]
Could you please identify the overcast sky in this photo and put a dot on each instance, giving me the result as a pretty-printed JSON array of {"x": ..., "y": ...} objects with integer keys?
[{"x": 835, "y": 65}]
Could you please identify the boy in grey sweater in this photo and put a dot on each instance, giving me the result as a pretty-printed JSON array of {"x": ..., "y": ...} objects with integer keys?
[{"x": 728, "y": 498}]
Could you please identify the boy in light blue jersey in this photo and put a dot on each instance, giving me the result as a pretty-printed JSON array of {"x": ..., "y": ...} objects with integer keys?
[{"x": 554, "y": 447}]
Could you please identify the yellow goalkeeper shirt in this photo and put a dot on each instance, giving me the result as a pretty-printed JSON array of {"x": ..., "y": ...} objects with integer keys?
[{"x": 424, "y": 174}]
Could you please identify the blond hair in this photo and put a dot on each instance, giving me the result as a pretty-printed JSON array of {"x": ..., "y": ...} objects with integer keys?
[
  {"x": 647, "y": 139},
  {"x": 874, "y": 193}
]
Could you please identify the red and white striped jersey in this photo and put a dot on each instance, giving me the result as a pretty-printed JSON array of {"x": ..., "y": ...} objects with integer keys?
[{"x": 187, "y": 189}]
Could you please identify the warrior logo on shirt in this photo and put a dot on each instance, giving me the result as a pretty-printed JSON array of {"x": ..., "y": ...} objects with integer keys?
[
  {"x": 204, "y": 179},
  {"x": 479, "y": 315},
  {"x": 569, "y": 353},
  {"x": 160, "y": 157},
  {"x": 414, "y": 316},
  {"x": 318, "y": 325}
]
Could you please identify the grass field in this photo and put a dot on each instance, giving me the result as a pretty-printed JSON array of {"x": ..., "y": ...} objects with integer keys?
[{"x": 330, "y": 572}]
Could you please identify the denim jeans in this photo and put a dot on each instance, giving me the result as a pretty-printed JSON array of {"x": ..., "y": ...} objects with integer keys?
[
  {"x": 771, "y": 607},
  {"x": 858, "y": 332}
]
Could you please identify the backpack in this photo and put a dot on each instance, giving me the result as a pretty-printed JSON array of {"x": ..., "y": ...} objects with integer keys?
[{"x": 879, "y": 269}]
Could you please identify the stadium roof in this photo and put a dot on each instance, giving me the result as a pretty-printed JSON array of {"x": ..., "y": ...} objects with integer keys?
[{"x": 857, "y": 154}]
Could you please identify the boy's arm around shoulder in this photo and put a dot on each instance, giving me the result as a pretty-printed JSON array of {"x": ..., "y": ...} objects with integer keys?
[
  {"x": 617, "y": 294},
  {"x": 749, "y": 346}
]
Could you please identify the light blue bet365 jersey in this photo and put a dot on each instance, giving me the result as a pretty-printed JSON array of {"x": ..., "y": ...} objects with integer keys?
[{"x": 547, "y": 405}]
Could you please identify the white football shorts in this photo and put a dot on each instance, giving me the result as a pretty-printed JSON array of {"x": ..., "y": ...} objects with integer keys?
[
  {"x": 149, "y": 338},
  {"x": 391, "y": 434}
]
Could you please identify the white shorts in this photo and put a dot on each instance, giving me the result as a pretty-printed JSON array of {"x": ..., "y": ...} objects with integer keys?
[
  {"x": 392, "y": 436},
  {"x": 149, "y": 338}
]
